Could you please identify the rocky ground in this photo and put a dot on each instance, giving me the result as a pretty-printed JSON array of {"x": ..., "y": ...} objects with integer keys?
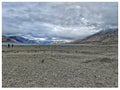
[{"x": 60, "y": 66}]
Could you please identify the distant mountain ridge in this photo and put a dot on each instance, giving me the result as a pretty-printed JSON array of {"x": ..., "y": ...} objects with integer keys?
[
  {"x": 109, "y": 36},
  {"x": 7, "y": 39},
  {"x": 27, "y": 40},
  {"x": 21, "y": 39}
]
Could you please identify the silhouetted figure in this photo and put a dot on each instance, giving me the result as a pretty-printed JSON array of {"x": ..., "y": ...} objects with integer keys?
[
  {"x": 8, "y": 45},
  {"x": 12, "y": 45}
]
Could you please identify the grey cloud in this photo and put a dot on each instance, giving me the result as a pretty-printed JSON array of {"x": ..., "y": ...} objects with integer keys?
[{"x": 59, "y": 19}]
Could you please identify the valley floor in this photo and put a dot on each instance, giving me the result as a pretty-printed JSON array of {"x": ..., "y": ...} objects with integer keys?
[{"x": 60, "y": 66}]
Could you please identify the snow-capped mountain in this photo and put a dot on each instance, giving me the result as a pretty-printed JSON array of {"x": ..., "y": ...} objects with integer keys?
[
  {"x": 21, "y": 39},
  {"x": 27, "y": 40},
  {"x": 103, "y": 36}
]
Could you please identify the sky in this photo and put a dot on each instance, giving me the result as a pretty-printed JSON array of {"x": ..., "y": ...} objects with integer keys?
[{"x": 58, "y": 20}]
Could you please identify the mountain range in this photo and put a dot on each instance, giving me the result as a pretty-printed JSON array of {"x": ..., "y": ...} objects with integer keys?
[
  {"x": 21, "y": 39},
  {"x": 109, "y": 36},
  {"x": 7, "y": 39}
]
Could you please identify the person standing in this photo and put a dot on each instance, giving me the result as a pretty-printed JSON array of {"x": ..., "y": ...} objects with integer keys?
[
  {"x": 8, "y": 45},
  {"x": 12, "y": 45}
]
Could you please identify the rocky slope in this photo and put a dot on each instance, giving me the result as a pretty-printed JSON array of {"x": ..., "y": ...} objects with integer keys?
[{"x": 103, "y": 37}]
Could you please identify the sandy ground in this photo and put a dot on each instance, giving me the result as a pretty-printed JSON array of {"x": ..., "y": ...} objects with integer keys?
[{"x": 60, "y": 66}]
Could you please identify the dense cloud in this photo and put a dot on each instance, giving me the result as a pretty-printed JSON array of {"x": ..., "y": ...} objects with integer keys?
[{"x": 58, "y": 20}]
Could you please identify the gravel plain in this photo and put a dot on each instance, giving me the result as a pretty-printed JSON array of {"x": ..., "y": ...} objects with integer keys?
[{"x": 60, "y": 66}]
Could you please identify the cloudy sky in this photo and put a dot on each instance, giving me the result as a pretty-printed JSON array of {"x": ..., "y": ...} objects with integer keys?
[{"x": 58, "y": 20}]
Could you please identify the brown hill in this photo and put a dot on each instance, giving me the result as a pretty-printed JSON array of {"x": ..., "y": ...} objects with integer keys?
[
  {"x": 6, "y": 39},
  {"x": 103, "y": 37}
]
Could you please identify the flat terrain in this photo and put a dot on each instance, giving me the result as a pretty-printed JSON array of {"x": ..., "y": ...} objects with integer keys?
[{"x": 60, "y": 66}]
